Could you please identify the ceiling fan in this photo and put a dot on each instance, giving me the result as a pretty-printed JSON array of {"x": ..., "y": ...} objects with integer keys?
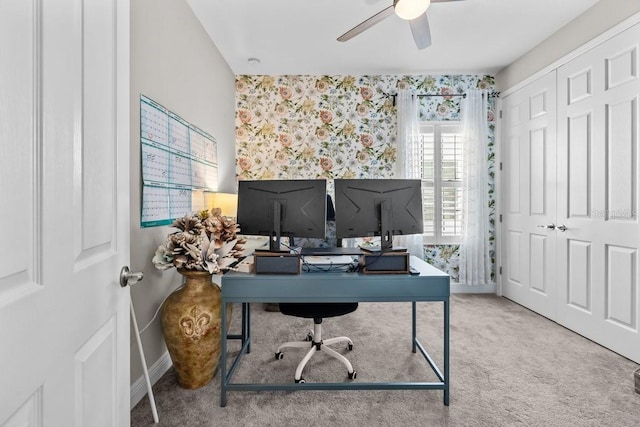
[{"x": 414, "y": 11}]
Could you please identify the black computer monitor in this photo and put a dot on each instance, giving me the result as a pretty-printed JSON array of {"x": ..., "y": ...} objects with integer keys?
[
  {"x": 378, "y": 207},
  {"x": 282, "y": 208}
]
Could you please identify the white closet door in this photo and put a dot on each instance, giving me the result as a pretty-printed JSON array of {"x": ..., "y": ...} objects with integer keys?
[
  {"x": 598, "y": 196},
  {"x": 529, "y": 191}
]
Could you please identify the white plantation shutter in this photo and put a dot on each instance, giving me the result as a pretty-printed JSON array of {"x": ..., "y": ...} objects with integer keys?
[{"x": 442, "y": 172}]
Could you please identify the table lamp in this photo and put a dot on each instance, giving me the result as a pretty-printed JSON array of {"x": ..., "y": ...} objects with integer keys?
[{"x": 227, "y": 202}]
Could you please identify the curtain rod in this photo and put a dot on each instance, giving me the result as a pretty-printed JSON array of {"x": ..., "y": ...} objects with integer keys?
[{"x": 492, "y": 94}]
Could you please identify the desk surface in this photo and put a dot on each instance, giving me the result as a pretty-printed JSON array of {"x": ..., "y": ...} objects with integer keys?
[{"x": 430, "y": 285}]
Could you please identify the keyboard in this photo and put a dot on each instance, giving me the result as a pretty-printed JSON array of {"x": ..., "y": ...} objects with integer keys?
[
  {"x": 331, "y": 251},
  {"x": 378, "y": 249},
  {"x": 328, "y": 260}
]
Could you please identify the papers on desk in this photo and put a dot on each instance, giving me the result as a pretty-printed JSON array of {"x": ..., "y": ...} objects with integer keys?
[
  {"x": 246, "y": 265},
  {"x": 328, "y": 260}
]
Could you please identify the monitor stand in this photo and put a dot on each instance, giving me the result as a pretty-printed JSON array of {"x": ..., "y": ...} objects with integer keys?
[{"x": 386, "y": 234}]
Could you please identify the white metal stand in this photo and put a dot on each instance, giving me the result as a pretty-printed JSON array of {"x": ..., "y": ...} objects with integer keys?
[
  {"x": 128, "y": 278},
  {"x": 152, "y": 401}
]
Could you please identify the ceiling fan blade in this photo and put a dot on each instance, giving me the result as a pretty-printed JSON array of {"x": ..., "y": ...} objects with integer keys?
[
  {"x": 365, "y": 25},
  {"x": 421, "y": 31}
]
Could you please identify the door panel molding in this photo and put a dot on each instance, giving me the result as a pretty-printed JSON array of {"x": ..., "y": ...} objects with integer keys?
[{"x": 621, "y": 287}]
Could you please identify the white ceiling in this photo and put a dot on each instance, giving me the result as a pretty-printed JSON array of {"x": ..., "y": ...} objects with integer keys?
[{"x": 299, "y": 36}]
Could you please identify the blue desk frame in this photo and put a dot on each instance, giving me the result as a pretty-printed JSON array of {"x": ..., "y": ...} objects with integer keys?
[{"x": 431, "y": 285}]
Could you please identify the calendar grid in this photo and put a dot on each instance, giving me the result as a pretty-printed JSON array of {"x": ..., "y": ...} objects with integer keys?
[{"x": 178, "y": 160}]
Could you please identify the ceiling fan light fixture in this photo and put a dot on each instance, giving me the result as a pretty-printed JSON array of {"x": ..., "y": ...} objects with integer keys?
[{"x": 410, "y": 9}]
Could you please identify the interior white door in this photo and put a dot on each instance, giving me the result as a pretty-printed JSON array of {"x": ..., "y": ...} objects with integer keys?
[
  {"x": 529, "y": 191},
  {"x": 598, "y": 203},
  {"x": 64, "y": 187}
]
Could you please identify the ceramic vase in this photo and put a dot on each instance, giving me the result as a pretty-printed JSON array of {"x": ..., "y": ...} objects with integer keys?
[{"x": 191, "y": 323}]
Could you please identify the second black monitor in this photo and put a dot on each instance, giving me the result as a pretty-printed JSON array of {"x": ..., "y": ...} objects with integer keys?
[{"x": 378, "y": 207}]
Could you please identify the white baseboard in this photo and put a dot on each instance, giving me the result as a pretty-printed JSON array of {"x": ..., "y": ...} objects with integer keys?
[
  {"x": 156, "y": 371},
  {"x": 462, "y": 288}
]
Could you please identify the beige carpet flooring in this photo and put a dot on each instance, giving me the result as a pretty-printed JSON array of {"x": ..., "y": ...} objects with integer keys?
[{"x": 509, "y": 367}]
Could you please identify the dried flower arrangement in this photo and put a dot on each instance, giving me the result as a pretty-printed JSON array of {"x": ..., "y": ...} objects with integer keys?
[{"x": 202, "y": 240}]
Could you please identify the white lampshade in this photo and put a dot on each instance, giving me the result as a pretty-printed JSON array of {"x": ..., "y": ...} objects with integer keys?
[
  {"x": 227, "y": 202},
  {"x": 410, "y": 9}
]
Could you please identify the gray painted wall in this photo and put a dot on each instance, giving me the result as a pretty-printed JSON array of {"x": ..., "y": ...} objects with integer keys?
[
  {"x": 599, "y": 18},
  {"x": 174, "y": 62}
]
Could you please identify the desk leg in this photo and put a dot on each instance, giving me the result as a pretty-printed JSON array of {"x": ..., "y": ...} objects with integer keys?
[
  {"x": 247, "y": 329},
  {"x": 223, "y": 357},
  {"x": 244, "y": 322},
  {"x": 413, "y": 326},
  {"x": 446, "y": 352}
]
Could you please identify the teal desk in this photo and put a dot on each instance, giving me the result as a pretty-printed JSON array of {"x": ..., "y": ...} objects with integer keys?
[{"x": 431, "y": 285}]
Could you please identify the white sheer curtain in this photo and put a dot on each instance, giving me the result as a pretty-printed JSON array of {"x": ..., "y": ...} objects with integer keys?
[
  {"x": 408, "y": 161},
  {"x": 475, "y": 260}
]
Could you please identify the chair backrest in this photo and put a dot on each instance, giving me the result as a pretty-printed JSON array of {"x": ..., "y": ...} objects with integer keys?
[{"x": 330, "y": 240}]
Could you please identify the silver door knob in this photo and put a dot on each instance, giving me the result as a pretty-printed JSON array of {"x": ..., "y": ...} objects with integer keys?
[
  {"x": 550, "y": 226},
  {"x": 128, "y": 278},
  {"x": 562, "y": 228}
]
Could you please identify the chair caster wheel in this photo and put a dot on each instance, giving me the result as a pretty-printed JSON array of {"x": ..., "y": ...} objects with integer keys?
[
  {"x": 279, "y": 355},
  {"x": 309, "y": 337},
  {"x": 300, "y": 381},
  {"x": 352, "y": 375},
  {"x": 350, "y": 346}
]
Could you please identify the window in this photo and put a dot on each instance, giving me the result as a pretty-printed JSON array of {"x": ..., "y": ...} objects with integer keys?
[{"x": 441, "y": 162}]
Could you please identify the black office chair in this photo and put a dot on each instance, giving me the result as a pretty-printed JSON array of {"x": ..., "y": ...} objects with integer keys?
[{"x": 318, "y": 312}]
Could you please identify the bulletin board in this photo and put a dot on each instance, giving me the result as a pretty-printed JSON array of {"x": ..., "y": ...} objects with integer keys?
[{"x": 179, "y": 164}]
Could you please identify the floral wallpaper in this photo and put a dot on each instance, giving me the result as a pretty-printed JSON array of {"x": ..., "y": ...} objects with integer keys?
[{"x": 295, "y": 127}]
